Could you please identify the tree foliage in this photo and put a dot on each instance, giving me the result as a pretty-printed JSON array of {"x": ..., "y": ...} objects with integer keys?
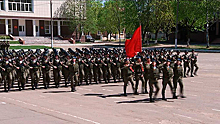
[{"x": 112, "y": 16}]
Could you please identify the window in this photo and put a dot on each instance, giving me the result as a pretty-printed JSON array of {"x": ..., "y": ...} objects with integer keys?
[
  {"x": 21, "y": 28},
  {"x": 47, "y": 27},
  {"x": 20, "y": 5},
  {"x": 36, "y": 28},
  {"x": 65, "y": 23},
  {"x": 55, "y": 23},
  {"x": 1, "y": 5},
  {"x": 2, "y": 21}
]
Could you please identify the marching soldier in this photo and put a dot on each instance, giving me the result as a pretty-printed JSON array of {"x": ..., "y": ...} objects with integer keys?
[
  {"x": 46, "y": 65},
  {"x": 178, "y": 75},
  {"x": 139, "y": 71},
  {"x": 147, "y": 68},
  {"x": 128, "y": 76},
  {"x": 87, "y": 70},
  {"x": 65, "y": 68},
  {"x": 95, "y": 70},
  {"x": 34, "y": 71},
  {"x": 7, "y": 73},
  {"x": 154, "y": 76},
  {"x": 114, "y": 68},
  {"x": 104, "y": 69},
  {"x": 74, "y": 73},
  {"x": 186, "y": 62},
  {"x": 21, "y": 66},
  {"x": 119, "y": 64},
  {"x": 178, "y": 56},
  {"x": 57, "y": 67},
  {"x": 81, "y": 70},
  {"x": 167, "y": 78},
  {"x": 100, "y": 64},
  {"x": 91, "y": 69},
  {"x": 193, "y": 57}
]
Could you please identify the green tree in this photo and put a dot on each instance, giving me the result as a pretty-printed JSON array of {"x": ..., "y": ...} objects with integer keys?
[
  {"x": 137, "y": 12},
  {"x": 163, "y": 17},
  {"x": 107, "y": 21},
  {"x": 93, "y": 8}
]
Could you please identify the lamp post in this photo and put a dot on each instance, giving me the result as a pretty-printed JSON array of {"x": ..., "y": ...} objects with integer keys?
[
  {"x": 176, "y": 33},
  {"x": 51, "y": 23}
]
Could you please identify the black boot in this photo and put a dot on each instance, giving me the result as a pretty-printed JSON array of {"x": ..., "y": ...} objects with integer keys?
[
  {"x": 65, "y": 84},
  {"x": 151, "y": 100},
  {"x": 87, "y": 83},
  {"x": 164, "y": 99},
  {"x": 19, "y": 88},
  {"x": 73, "y": 89},
  {"x": 174, "y": 96}
]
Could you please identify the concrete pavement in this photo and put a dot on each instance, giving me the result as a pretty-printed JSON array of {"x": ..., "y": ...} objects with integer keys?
[{"x": 104, "y": 104}]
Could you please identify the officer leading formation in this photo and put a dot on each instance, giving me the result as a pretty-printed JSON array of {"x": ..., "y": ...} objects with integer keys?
[{"x": 96, "y": 66}]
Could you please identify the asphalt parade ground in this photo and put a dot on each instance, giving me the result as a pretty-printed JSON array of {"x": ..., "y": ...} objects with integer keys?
[{"x": 105, "y": 104}]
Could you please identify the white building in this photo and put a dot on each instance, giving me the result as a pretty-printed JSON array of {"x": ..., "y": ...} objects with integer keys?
[{"x": 32, "y": 17}]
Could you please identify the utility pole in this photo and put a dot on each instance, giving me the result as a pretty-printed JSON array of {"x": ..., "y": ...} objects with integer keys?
[
  {"x": 207, "y": 26},
  {"x": 51, "y": 23},
  {"x": 176, "y": 34}
]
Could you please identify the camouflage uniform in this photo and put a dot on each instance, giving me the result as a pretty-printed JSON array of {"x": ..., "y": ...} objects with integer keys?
[
  {"x": 34, "y": 72},
  {"x": 178, "y": 75}
]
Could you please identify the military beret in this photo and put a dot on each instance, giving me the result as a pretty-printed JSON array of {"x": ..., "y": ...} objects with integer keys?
[
  {"x": 179, "y": 60},
  {"x": 154, "y": 60}
]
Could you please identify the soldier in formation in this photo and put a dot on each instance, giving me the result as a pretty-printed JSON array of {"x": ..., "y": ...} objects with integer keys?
[{"x": 96, "y": 66}]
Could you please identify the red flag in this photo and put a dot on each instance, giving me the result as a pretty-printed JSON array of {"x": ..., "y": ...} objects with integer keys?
[{"x": 135, "y": 44}]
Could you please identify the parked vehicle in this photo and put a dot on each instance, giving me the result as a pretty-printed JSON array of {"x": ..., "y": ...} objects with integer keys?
[{"x": 89, "y": 38}]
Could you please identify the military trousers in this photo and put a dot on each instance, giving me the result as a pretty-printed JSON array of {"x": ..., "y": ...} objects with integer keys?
[
  {"x": 164, "y": 83},
  {"x": 46, "y": 78},
  {"x": 144, "y": 85},
  {"x": 138, "y": 77},
  {"x": 114, "y": 73},
  {"x": 74, "y": 80},
  {"x": 177, "y": 80},
  {"x": 57, "y": 77},
  {"x": 88, "y": 75},
  {"x": 153, "y": 83},
  {"x": 95, "y": 74},
  {"x": 192, "y": 68},
  {"x": 66, "y": 75},
  {"x": 100, "y": 74},
  {"x": 35, "y": 77},
  {"x": 81, "y": 75},
  {"x": 7, "y": 78},
  {"x": 126, "y": 80},
  {"x": 21, "y": 76},
  {"x": 186, "y": 68}
]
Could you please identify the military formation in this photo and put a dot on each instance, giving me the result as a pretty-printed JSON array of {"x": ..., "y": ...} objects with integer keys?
[
  {"x": 4, "y": 45},
  {"x": 150, "y": 66},
  {"x": 88, "y": 66}
]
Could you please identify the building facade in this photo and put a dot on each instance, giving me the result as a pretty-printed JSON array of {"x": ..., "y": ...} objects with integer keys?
[{"x": 33, "y": 17}]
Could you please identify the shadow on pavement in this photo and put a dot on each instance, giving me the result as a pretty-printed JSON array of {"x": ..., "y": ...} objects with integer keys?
[
  {"x": 111, "y": 85},
  {"x": 92, "y": 94},
  {"x": 117, "y": 95},
  {"x": 57, "y": 92},
  {"x": 143, "y": 101}
]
